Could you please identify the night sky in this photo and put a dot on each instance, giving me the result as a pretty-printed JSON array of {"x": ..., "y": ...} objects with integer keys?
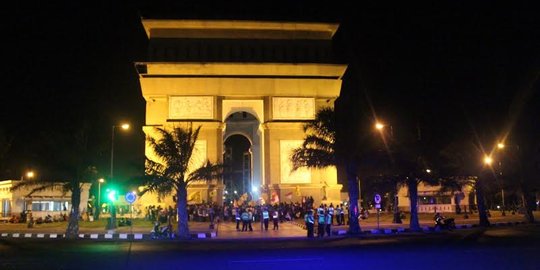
[{"x": 454, "y": 68}]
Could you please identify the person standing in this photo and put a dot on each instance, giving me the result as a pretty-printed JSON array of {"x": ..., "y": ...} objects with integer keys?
[
  {"x": 321, "y": 222},
  {"x": 245, "y": 220},
  {"x": 339, "y": 211},
  {"x": 265, "y": 217},
  {"x": 331, "y": 212},
  {"x": 250, "y": 215},
  {"x": 345, "y": 214},
  {"x": 275, "y": 219},
  {"x": 328, "y": 223},
  {"x": 310, "y": 223},
  {"x": 237, "y": 218}
]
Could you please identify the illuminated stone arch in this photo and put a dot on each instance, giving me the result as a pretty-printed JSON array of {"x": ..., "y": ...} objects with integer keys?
[{"x": 281, "y": 92}]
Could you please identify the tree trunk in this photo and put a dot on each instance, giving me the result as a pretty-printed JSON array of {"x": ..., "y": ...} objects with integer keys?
[
  {"x": 352, "y": 180},
  {"x": 72, "y": 231},
  {"x": 482, "y": 213},
  {"x": 181, "y": 208},
  {"x": 412, "y": 185},
  {"x": 397, "y": 216},
  {"x": 529, "y": 205}
]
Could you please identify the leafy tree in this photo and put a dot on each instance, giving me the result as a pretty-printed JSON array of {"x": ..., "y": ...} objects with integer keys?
[
  {"x": 70, "y": 159},
  {"x": 320, "y": 150},
  {"x": 171, "y": 175},
  {"x": 462, "y": 165}
]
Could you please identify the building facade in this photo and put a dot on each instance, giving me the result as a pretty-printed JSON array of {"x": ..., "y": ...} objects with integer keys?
[
  {"x": 432, "y": 200},
  {"x": 258, "y": 80},
  {"x": 52, "y": 202}
]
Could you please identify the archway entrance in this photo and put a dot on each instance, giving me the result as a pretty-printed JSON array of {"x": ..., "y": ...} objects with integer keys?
[
  {"x": 241, "y": 155},
  {"x": 237, "y": 161}
]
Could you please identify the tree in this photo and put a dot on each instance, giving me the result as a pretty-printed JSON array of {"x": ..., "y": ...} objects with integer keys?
[
  {"x": 462, "y": 165},
  {"x": 320, "y": 150},
  {"x": 70, "y": 159},
  {"x": 171, "y": 174}
]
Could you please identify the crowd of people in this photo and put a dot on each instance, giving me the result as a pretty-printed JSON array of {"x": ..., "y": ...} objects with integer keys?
[
  {"x": 317, "y": 220},
  {"x": 325, "y": 216}
]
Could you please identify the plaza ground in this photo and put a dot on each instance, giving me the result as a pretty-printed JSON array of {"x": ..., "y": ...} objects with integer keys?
[{"x": 227, "y": 229}]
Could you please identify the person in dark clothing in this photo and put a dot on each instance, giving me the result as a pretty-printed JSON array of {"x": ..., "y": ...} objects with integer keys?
[
  {"x": 310, "y": 223},
  {"x": 275, "y": 219}
]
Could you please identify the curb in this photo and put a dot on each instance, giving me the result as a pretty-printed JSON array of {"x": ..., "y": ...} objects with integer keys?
[
  {"x": 211, "y": 235},
  {"x": 102, "y": 236}
]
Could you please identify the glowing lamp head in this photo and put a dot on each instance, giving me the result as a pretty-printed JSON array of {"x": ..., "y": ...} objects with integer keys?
[
  {"x": 379, "y": 126},
  {"x": 111, "y": 195},
  {"x": 500, "y": 145},
  {"x": 488, "y": 160},
  {"x": 125, "y": 126}
]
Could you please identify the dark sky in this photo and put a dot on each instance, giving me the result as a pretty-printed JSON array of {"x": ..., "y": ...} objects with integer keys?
[{"x": 451, "y": 65}]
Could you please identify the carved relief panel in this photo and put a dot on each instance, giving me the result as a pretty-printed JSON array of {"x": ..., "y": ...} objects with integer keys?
[
  {"x": 192, "y": 107},
  {"x": 293, "y": 108}
]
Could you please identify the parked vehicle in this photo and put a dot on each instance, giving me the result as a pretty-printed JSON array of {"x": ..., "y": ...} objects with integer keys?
[{"x": 444, "y": 223}]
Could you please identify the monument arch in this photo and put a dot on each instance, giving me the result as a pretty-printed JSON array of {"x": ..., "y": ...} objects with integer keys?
[{"x": 275, "y": 74}]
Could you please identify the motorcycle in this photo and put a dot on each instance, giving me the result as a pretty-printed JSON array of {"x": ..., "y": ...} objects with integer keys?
[
  {"x": 163, "y": 232},
  {"x": 48, "y": 219},
  {"x": 444, "y": 223}
]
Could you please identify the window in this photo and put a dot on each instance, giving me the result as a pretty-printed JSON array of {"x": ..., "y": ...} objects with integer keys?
[
  {"x": 434, "y": 200},
  {"x": 50, "y": 206}
]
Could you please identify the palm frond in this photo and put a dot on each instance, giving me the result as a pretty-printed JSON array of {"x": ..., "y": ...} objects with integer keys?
[
  {"x": 318, "y": 148},
  {"x": 311, "y": 158},
  {"x": 207, "y": 172},
  {"x": 316, "y": 142},
  {"x": 37, "y": 186}
]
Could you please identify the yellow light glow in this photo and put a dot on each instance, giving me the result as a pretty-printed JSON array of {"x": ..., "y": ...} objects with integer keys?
[
  {"x": 500, "y": 145},
  {"x": 101, "y": 180},
  {"x": 379, "y": 126},
  {"x": 125, "y": 126},
  {"x": 428, "y": 170},
  {"x": 488, "y": 160},
  {"x": 30, "y": 174}
]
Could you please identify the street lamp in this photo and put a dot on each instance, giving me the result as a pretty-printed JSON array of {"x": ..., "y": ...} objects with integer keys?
[
  {"x": 397, "y": 218},
  {"x": 488, "y": 160},
  {"x": 501, "y": 146},
  {"x": 98, "y": 205},
  {"x": 380, "y": 127},
  {"x": 28, "y": 174},
  {"x": 123, "y": 126}
]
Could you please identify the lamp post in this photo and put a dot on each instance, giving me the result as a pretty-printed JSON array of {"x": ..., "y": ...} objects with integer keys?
[
  {"x": 397, "y": 218},
  {"x": 500, "y": 147},
  {"x": 112, "y": 221},
  {"x": 28, "y": 174},
  {"x": 98, "y": 205}
]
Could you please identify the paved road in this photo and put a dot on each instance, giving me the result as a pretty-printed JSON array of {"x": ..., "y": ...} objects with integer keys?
[{"x": 514, "y": 247}]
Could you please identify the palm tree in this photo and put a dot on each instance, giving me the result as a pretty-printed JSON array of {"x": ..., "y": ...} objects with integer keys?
[
  {"x": 319, "y": 151},
  {"x": 171, "y": 175},
  {"x": 71, "y": 167}
]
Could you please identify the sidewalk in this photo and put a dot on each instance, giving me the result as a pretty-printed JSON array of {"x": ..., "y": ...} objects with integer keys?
[{"x": 227, "y": 230}]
